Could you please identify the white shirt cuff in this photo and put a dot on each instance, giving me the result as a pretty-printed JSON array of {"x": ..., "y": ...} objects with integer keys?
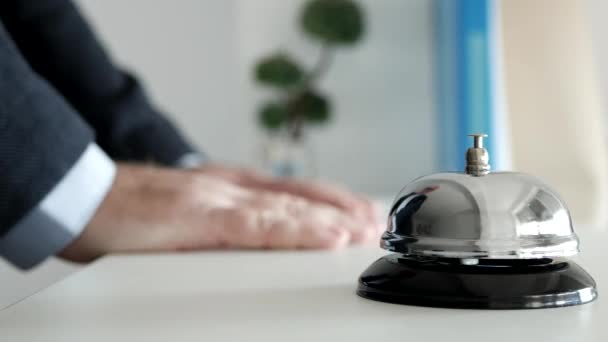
[{"x": 63, "y": 213}]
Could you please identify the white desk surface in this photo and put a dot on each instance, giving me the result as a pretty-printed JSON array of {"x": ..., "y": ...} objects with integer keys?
[{"x": 274, "y": 296}]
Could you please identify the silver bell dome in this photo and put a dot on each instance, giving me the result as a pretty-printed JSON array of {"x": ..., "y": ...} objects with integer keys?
[{"x": 478, "y": 214}]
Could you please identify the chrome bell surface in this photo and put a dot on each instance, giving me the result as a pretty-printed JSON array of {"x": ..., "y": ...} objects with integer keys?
[
  {"x": 480, "y": 214},
  {"x": 478, "y": 240}
]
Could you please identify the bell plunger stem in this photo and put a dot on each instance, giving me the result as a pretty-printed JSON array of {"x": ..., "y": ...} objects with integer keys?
[{"x": 477, "y": 157}]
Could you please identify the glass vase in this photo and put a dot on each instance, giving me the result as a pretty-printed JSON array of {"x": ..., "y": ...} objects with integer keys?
[{"x": 286, "y": 156}]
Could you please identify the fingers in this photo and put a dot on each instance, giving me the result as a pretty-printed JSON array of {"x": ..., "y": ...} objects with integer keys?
[
  {"x": 289, "y": 232},
  {"x": 269, "y": 220},
  {"x": 279, "y": 213},
  {"x": 360, "y": 209},
  {"x": 359, "y": 231},
  {"x": 349, "y": 202},
  {"x": 323, "y": 193},
  {"x": 268, "y": 228}
]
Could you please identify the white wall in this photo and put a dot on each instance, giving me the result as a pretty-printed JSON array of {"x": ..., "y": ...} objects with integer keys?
[
  {"x": 597, "y": 10},
  {"x": 380, "y": 137},
  {"x": 196, "y": 57}
]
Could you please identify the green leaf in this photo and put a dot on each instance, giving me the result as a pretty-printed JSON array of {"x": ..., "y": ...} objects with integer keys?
[
  {"x": 315, "y": 108},
  {"x": 278, "y": 70},
  {"x": 272, "y": 116},
  {"x": 333, "y": 21}
]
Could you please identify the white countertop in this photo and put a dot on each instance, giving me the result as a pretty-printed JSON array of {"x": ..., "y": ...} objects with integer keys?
[{"x": 274, "y": 296}]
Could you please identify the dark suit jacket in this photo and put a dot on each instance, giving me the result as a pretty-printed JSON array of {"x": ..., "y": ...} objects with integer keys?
[{"x": 59, "y": 91}]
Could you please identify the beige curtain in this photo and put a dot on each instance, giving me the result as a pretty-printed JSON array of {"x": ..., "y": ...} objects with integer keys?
[{"x": 553, "y": 102}]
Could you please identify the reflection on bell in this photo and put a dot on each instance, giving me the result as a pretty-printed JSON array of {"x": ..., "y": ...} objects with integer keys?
[{"x": 478, "y": 240}]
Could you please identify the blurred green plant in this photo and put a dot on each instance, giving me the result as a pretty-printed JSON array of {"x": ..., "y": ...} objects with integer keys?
[{"x": 332, "y": 23}]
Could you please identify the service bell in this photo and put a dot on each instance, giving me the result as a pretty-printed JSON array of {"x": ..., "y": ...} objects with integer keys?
[{"x": 478, "y": 239}]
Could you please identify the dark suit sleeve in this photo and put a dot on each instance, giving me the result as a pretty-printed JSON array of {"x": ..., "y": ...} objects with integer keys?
[
  {"x": 41, "y": 139},
  {"x": 60, "y": 46}
]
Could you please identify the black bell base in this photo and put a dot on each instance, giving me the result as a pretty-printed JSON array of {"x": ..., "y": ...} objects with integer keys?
[{"x": 491, "y": 284}]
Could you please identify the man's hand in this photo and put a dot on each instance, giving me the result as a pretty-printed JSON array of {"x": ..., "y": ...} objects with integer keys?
[
  {"x": 154, "y": 209},
  {"x": 357, "y": 206}
]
